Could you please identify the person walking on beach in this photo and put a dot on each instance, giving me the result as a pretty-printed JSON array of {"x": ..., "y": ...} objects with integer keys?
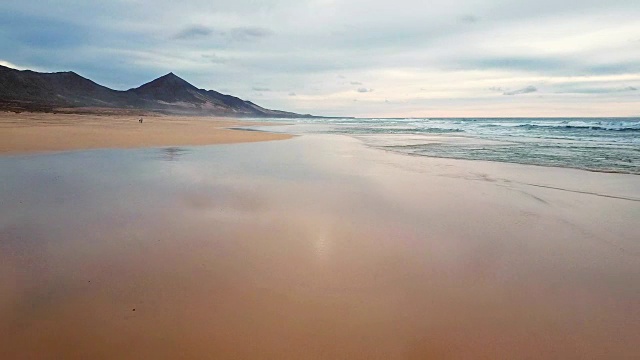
[{"x": 140, "y": 120}]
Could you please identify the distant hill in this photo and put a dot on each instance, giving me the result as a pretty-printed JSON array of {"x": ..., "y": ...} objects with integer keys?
[{"x": 33, "y": 91}]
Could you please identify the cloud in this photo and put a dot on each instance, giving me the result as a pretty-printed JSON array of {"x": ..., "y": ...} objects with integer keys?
[
  {"x": 41, "y": 32},
  {"x": 525, "y": 63},
  {"x": 10, "y": 65},
  {"x": 215, "y": 59},
  {"x": 624, "y": 67},
  {"x": 232, "y": 34},
  {"x": 195, "y": 31},
  {"x": 525, "y": 90},
  {"x": 454, "y": 52},
  {"x": 258, "y": 88},
  {"x": 469, "y": 19},
  {"x": 599, "y": 90},
  {"x": 249, "y": 33}
]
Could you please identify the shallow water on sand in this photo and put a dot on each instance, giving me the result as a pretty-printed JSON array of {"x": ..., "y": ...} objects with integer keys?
[{"x": 315, "y": 247}]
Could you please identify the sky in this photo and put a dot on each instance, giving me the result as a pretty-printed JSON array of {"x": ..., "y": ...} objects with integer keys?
[{"x": 369, "y": 58}]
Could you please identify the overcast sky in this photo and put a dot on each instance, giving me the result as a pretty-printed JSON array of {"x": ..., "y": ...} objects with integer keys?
[{"x": 349, "y": 57}]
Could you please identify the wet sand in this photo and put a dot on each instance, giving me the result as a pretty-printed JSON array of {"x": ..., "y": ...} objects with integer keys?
[
  {"x": 313, "y": 248},
  {"x": 40, "y": 132}
]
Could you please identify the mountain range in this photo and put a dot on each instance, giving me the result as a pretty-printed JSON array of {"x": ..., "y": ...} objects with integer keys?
[{"x": 26, "y": 90}]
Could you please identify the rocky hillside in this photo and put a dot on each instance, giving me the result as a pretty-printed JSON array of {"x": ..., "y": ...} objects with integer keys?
[{"x": 34, "y": 91}]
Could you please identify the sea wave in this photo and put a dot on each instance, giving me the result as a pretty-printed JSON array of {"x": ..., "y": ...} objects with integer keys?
[
  {"x": 571, "y": 125},
  {"x": 399, "y": 130},
  {"x": 585, "y": 126},
  {"x": 595, "y": 144}
]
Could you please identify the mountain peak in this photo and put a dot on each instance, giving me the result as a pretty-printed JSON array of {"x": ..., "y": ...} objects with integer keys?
[
  {"x": 169, "y": 88},
  {"x": 170, "y": 75},
  {"x": 168, "y": 94},
  {"x": 170, "y": 79}
]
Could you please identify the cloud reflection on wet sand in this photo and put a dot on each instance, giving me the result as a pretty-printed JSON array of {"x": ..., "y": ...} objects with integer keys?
[{"x": 292, "y": 250}]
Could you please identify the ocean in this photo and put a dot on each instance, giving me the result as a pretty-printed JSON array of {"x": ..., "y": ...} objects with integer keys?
[{"x": 595, "y": 144}]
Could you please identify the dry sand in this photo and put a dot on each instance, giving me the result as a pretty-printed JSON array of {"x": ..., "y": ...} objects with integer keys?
[{"x": 40, "y": 132}]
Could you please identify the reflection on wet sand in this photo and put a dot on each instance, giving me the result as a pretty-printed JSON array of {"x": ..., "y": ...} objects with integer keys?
[
  {"x": 172, "y": 153},
  {"x": 294, "y": 250}
]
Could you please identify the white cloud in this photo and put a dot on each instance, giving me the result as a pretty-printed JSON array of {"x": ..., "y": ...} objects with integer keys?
[
  {"x": 453, "y": 49},
  {"x": 524, "y": 90},
  {"x": 195, "y": 31},
  {"x": 260, "y": 88},
  {"x": 11, "y": 65}
]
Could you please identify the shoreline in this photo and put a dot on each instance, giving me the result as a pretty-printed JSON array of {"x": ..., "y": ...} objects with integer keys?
[
  {"x": 27, "y": 133},
  {"x": 508, "y": 162},
  {"x": 445, "y": 139}
]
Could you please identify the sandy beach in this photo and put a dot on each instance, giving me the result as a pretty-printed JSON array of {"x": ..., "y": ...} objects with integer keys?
[
  {"x": 41, "y": 132},
  {"x": 316, "y": 247},
  {"x": 314, "y": 179}
]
